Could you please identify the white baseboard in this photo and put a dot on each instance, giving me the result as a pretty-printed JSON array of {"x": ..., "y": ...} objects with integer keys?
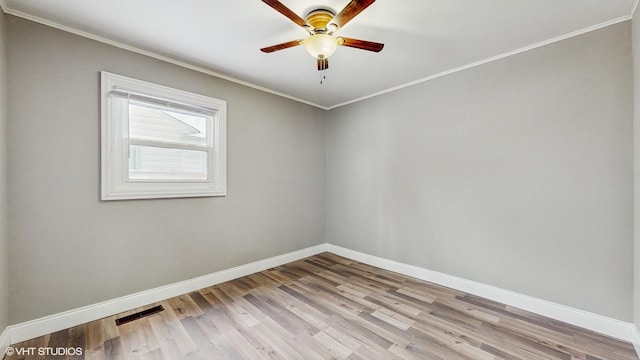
[
  {"x": 39, "y": 327},
  {"x": 5, "y": 341},
  {"x": 636, "y": 339},
  {"x": 598, "y": 323},
  {"x": 49, "y": 324}
]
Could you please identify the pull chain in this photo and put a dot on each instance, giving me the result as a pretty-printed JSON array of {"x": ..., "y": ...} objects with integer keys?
[{"x": 323, "y": 78}]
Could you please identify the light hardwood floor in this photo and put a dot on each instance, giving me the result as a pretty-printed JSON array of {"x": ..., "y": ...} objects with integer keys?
[{"x": 329, "y": 307}]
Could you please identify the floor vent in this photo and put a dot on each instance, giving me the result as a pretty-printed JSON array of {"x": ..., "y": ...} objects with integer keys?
[{"x": 139, "y": 315}]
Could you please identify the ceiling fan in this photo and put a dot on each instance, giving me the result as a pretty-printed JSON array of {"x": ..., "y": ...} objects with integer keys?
[{"x": 321, "y": 24}]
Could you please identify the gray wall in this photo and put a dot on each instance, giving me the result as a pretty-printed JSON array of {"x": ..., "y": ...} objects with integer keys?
[
  {"x": 635, "y": 35},
  {"x": 68, "y": 249},
  {"x": 4, "y": 266},
  {"x": 516, "y": 173}
]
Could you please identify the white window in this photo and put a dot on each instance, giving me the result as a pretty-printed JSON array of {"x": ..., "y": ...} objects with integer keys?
[{"x": 159, "y": 142}]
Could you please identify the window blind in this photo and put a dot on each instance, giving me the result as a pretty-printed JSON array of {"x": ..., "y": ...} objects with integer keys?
[{"x": 135, "y": 96}]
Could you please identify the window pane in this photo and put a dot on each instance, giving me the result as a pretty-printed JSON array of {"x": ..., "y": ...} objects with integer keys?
[
  {"x": 150, "y": 123},
  {"x": 156, "y": 163}
]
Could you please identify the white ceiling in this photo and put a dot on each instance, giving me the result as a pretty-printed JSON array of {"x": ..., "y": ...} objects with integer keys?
[{"x": 422, "y": 38}]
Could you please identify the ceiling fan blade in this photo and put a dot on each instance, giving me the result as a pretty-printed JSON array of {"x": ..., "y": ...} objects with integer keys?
[
  {"x": 352, "y": 9},
  {"x": 286, "y": 45},
  {"x": 279, "y": 7},
  {"x": 323, "y": 64},
  {"x": 360, "y": 44}
]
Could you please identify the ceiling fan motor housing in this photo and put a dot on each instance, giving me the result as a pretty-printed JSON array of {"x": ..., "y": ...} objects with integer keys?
[
  {"x": 319, "y": 18},
  {"x": 321, "y": 24}
]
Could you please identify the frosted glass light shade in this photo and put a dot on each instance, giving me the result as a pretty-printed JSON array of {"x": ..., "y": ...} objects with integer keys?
[{"x": 320, "y": 46}]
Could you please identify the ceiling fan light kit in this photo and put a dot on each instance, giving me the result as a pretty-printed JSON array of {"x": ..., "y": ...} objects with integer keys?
[
  {"x": 321, "y": 46},
  {"x": 321, "y": 24}
]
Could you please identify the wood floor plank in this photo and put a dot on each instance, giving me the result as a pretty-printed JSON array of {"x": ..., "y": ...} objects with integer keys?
[
  {"x": 227, "y": 335},
  {"x": 200, "y": 337},
  {"x": 330, "y": 307},
  {"x": 96, "y": 353},
  {"x": 176, "y": 331},
  {"x": 113, "y": 349},
  {"x": 166, "y": 340}
]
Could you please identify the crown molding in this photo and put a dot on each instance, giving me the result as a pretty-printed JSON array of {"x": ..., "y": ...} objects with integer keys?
[
  {"x": 491, "y": 59},
  {"x": 150, "y": 54},
  {"x": 7, "y": 10},
  {"x": 633, "y": 9}
]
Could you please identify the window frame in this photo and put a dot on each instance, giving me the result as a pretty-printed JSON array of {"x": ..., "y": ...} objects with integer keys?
[{"x": 115, "y": 142}]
